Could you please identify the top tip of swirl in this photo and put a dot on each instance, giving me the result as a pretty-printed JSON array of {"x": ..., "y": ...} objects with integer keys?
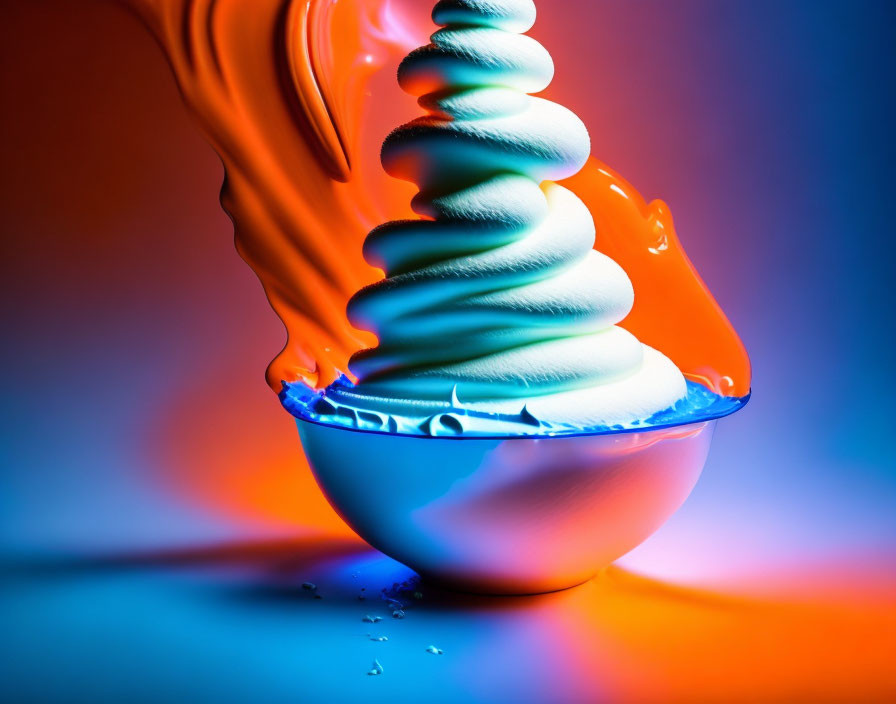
[{"x": 509, "y": 15}]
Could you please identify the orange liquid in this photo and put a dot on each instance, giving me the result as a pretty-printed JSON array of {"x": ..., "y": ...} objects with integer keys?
[{"x": 290, "y": 95}]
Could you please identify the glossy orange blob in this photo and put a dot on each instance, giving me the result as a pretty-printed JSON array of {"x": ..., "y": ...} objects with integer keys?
[
  {"x": 287, "y": 94},
  {"x": 674, "y": 311}
]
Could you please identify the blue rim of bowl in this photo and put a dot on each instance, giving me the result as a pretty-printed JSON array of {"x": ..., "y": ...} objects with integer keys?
[{"x": 732, "y": 405}]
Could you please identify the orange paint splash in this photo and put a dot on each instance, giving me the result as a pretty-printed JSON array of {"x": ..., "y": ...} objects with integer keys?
[
  {"x": 288, "y": 93},
  {"x": 674, "y": 311},
  {"x": 279, "y": 90}
]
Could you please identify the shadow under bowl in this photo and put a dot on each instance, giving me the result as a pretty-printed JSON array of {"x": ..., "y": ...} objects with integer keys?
[{"x": 510, "y": 515}]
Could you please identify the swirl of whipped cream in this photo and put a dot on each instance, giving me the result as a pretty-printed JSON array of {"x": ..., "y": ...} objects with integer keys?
[{"x": 495, "y": 296}]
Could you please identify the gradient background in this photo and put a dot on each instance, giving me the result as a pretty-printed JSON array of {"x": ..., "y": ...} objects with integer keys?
[{"x": 156, "y": 525}]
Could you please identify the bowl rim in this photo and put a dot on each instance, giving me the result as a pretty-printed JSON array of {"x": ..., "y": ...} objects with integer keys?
[{"x": 739, "y": 403}]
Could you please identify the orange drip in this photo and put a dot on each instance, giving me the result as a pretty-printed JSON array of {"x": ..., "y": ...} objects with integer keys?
[
  {"x": 674, "y": 311},
  {"x": 286, "y": 92}
]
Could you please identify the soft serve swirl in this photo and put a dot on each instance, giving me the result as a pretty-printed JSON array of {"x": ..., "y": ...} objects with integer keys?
[{"x": 494, "y": 301}]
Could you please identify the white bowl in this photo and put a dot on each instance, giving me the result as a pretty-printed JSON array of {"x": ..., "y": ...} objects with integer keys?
[{"x": 512, "y": 515}]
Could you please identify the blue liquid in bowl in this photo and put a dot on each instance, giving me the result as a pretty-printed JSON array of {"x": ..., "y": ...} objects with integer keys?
[{"x": 324, "y": 407}]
